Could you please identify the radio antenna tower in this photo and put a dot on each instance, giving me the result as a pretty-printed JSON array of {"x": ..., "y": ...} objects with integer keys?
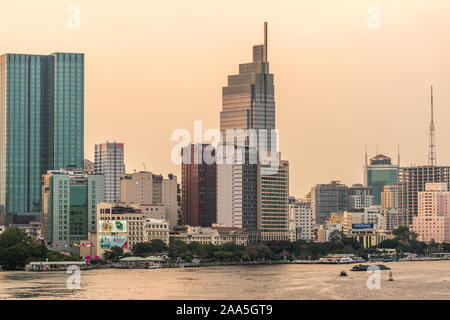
[{"x": 432, "y": 146}]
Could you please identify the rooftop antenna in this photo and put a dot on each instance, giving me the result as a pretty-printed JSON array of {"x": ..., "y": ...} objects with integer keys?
[
  {"x": 432, "y": 146},
  {"x": 398, "y": 154},
  {"x": 265, "y": 42}
]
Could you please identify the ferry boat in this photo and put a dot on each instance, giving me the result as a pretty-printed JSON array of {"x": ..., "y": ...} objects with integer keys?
[{"x": 336, "y": 259}]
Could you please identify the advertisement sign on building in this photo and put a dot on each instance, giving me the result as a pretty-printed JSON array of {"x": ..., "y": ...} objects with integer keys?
[
  {"x": 112, "y": 226},
  {"x": 362, "y": 226},
  {"x": 107, "y": 242}
]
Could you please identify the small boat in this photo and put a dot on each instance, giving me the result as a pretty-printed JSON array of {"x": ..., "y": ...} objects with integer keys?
[{"x": 364, "y": 267}]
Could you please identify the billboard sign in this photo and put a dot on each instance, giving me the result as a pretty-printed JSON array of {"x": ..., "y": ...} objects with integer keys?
[
  {"x": 107, "y": 242},
  {"x": 362, "y": 226},
  {"x": 112, "y": 226}
]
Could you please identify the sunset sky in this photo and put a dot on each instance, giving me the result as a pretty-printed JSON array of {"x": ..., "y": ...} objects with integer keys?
[{"x": 155, "y": 66}]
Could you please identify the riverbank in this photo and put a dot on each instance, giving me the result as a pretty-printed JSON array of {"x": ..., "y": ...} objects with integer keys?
[
  {"x": 412, "y": 280},
  {"x": 57, "y": 266}
]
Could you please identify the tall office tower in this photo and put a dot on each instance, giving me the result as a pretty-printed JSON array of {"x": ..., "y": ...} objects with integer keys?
[
  {"x": 109, "y": 161},
  {"x": 411, "y": 181},
  {"x": 389, "y": 198},
  {"x": 359, "y": 197},
  {"x": 273, "y": 201},
  {"x": 379, "y": 173},
  {"x": 41, "y": 124},
  {"x": 237, "y": 194},
  {"x": 198, "y": 185},
  {"x": 69, "y": 200},
  {"x": 248, "y": 100},
  {"x": 328, "y": 198},
  {"x": 433, "y": 217},
  {"x": 303, "y": 219},
  {"x": 147, "y": 189}
]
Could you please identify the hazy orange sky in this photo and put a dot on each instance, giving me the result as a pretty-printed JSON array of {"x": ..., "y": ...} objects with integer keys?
[{"x": 155, "y": 66}]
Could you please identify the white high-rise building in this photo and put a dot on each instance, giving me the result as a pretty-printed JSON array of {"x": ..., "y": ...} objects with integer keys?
[
  {"x": 109, "y": 161},
  {"x": 303, "y": 216}
]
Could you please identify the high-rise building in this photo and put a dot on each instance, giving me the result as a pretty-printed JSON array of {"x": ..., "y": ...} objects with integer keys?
[
  {"x": 41, "y": 123},
  {"x": 198, "y": 185},
  {"x": 389, "y": 198},
  {"x": 248, "y": 100},
  {"x": 273, "y": 201},
  {"x": 248, "y": 105},
  {"x": 147, "y": 189},
  {"x": 303, "y": 215},
  {"x": 359, "y": 197},
  {"x": 69, "y": 200},
  {"x": 237, "y": 194},
  {"x": 109, "y": 161},
  {"x": 433, "y": 217},
  {"x": 411, "y": 181},
  {"x": 379, "y": 173},
  {"x": 328, "y": 198}
]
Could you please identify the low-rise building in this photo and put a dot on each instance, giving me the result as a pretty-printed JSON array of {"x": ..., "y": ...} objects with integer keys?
[
  {"x": 120, "y": 225},
  {"x": 33, "y": 229},
  {"x": 157, "y": 229},
  {"x": 210, "y": 235}
]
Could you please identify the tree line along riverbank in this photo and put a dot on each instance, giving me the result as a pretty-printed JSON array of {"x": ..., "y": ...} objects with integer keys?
[{"x": 17, "y": 249}]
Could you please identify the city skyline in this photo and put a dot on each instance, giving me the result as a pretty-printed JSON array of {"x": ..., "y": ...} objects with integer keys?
[{"x": 375, "y": 83}]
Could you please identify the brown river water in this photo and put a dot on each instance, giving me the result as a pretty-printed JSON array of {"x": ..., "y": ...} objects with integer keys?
[{"x": 412, "y": 280}]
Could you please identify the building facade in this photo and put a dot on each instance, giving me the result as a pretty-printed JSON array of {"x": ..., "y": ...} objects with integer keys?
[
  {"x": 303, "y": 216},
  {"x": 273, "y": 201},
  {"x": 328, "y": 198},
  {"x": 119, "y": 225},
  {"x": 198, "y": 187},
  {"x": 157, "y": 229},
  {"x": 69, "y": 201},
  {"x": 433, "y": 218},
  {"x": 109, "y": 161},
  {"x": 152, "y": 192},
  {"x": 379, "y": 173},
  {"x": 389, "y": 198},
  {"x": 411, "y": 181},
  {"x": 210, "y": 235},
  {"x": 359, "y": 197},
  {"x": 41, "y": 124},
  {"x": 237, "y": 194}
]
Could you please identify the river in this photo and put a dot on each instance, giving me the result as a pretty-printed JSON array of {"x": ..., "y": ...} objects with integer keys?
[{"x": 412, "y": 280}]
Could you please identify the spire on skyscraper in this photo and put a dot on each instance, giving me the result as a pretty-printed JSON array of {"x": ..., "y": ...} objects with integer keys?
[
  {"x": 265, "y": 42},
  {"x": 432, "y": 146}
]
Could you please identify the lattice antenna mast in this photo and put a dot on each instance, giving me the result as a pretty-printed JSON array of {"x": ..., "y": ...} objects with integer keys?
[{"x": 432, "y": 145}]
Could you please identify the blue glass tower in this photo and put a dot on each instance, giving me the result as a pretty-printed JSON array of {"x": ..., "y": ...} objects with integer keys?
[{"x": 41, "y": 123}]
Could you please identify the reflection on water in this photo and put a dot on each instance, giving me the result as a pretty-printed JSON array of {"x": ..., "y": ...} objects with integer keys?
[
  {"x": 35, "y": 284},
  {"x": 412, "y": 280}
]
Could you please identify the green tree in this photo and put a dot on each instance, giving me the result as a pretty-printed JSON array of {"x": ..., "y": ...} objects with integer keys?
[
  {"x": 113, "y": 254},
  {"x": 14, "y": 257}
]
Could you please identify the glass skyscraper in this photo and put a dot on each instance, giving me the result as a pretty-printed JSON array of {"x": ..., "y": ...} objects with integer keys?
[
  {"x": 248, "y": 100},
  {"x": 251, "y": 195},
  {"x": 69, "y": 205},
  {"x": 379, "y": 173},
  {"x": 41, "y": 123}
]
